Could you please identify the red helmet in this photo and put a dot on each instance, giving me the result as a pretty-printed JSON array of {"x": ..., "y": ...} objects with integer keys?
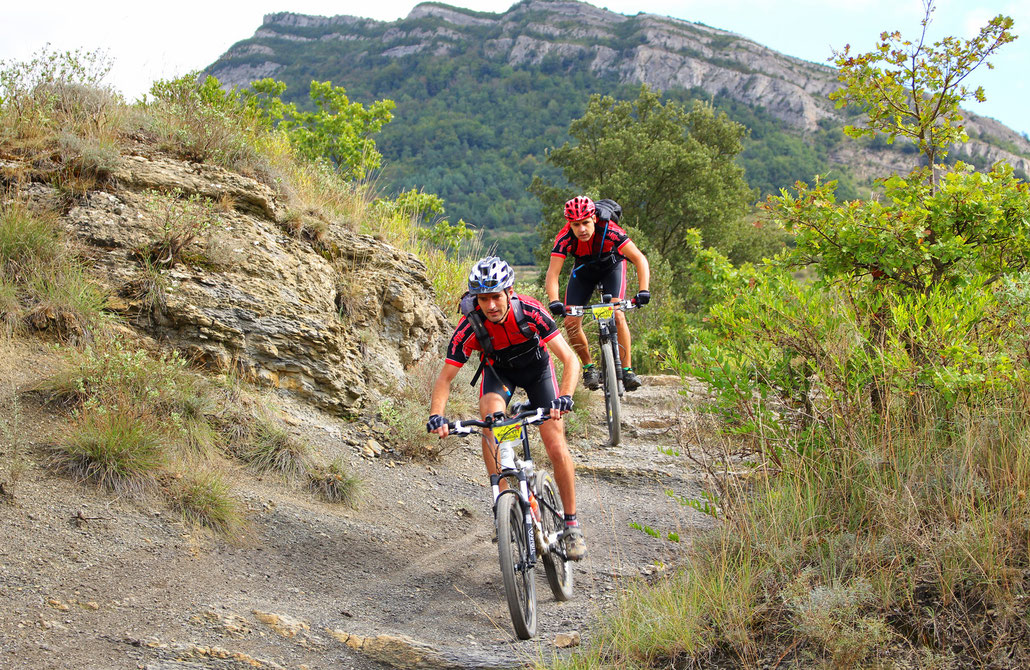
[{"x": 579, "y": 208}]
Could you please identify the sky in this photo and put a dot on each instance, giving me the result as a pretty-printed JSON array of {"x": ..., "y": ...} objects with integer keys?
[{"x": 149, "y": 41}]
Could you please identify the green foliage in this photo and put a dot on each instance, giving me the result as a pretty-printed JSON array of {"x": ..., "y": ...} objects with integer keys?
[
  {"x": 199, "y": 121},
  {"x": 54, "y": 87},
  {"x": 272, "y": 449},
  {"x": 339, "y": 132},
  {"x": 113, "y": 448},
  {"x": 476, "y": 130},
  {"x": 913, "y": 90},
  {"x": 918, "y": 235},
  {"x": 28, "y": 240},
  {"x": 182, "y": 219},
  {"x": 205, "y": 499},
  {"x": 41, "y": 283},
  {"x": 687, "y": 157}
]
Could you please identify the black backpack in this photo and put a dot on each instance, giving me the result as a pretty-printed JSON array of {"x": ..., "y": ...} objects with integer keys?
[
  {"x": 608, "y": 210},
  {"x": 510, "y": 355}
]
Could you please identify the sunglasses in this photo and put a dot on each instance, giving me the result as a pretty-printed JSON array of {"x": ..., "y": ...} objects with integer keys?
[{"x": 489, "y": 285}]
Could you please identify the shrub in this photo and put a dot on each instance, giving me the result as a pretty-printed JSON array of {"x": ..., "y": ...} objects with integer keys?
[
  {"x": 198, "y": 121},
  {"x": 115, "y": 448},
  {"x": 182, "y": 220},
  {"x": 28, "y": 240},
  {"x": 334, "y": 485},
  {"x": 269, "y": 448},
  {"x": 205, "y": 499},
  {"x": 55, "y": 91}
]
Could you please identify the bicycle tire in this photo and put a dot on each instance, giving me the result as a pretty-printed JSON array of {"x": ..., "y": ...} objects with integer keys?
[
  {"x": 558, "y": 571},
  {"x": 612, "y": 402},
  {"x": 519, "y": 579}
]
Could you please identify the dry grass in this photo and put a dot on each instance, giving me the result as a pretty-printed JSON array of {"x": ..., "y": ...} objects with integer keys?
[
  {"x": 204, "y": 498},
  {"x": 896, "y": 543},
  {"x": 332, "y": 484},
  {"x": 116, "y": 448},
  {"x": 270, "y": 448}
]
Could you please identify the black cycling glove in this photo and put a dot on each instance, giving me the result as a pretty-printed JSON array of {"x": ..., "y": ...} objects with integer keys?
[
  {"x": 562, "y": 403},
  {"x": 435, "y": 421},
  {"x": 642, "y": 297},
  {"x": 557, "y": 307}
]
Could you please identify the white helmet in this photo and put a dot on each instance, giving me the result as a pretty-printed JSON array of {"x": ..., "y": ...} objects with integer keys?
[{"x": 490, "y": 275}]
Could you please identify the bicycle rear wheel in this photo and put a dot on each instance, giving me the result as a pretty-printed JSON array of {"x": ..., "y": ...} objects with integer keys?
[
  {"x": 612, "y": 402},
  {"x": 519, "y": 578},
  {"x": 558, "y": 570}
]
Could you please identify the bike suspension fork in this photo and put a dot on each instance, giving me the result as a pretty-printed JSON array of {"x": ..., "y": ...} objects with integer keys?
[
  {"x": 613, "y": 336},
  {"x": 527, "y": 520}
]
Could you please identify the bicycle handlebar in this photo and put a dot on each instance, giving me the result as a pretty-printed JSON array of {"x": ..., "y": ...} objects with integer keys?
[
  {"x": 529, "y": 417},
  {"x": 580, "y": 310}
]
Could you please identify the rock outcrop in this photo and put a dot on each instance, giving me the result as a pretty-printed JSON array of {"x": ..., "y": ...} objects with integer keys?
[
  {"x": 334, "y": 322},
  {"x": 662, "y": 52}
]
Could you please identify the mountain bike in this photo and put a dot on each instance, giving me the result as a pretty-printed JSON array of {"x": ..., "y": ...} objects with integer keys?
[
  {"x": 611, "y": 365},
  {"x": 529, "y": 507}
]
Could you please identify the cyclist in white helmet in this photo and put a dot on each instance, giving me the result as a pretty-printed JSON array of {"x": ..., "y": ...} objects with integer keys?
[{"x": 514, "y": 335}]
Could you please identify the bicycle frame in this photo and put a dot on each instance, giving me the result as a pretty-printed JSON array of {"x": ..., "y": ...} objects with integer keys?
[{"x": 507, "y": 433}]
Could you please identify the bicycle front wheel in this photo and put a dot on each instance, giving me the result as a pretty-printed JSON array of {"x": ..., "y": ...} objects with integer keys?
[
  {"x": 612, "y": 402},
  {"x": 558, "y": 570},
  {"x": 518, "y": 576}
]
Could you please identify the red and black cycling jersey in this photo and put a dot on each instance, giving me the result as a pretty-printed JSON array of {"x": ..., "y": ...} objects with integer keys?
[
  {"x": 608, "y": 239},
  {"x": 504, "y": 335}
]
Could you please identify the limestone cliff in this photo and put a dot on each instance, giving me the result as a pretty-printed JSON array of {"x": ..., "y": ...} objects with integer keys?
[
  {"x": 333, "y": 323},
  {"x": 660, "y": 51}
]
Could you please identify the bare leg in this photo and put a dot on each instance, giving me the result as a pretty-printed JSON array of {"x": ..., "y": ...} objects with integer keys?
[
  {"x": 577, "y": 338},
  {"x": 488, "y": 404},
  {"x": 553, "y": 435}
]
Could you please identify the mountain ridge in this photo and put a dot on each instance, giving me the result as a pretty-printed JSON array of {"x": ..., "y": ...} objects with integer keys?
[{"x": 482, "y": 96}]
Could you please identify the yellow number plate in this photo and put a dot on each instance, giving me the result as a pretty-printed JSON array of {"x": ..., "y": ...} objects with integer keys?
[
  {"x": 506, "y": 433},
  {"x": 603, "y": 312}
]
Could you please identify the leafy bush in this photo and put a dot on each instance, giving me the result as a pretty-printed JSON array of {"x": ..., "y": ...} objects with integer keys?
[
  {"x": 55, "y": 91},
  {"x": 199, "y": 121},
  {"x": 339, "y": 132}
]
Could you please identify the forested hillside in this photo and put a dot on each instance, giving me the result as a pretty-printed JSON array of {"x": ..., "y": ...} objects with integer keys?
[{"x": 481, "y": 97}]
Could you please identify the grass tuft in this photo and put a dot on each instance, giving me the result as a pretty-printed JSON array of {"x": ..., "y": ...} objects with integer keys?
[
  {"x": 205, "y": 499},
  {"x": 270, "y": 448},
  {"x": 333, "y": 484},
  {"x": 114, "y": 449}
]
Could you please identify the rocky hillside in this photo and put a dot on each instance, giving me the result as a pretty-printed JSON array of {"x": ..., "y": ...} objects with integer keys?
[
  {"x": 333, "y": 322},
  {"x": 441, "y": 60}
]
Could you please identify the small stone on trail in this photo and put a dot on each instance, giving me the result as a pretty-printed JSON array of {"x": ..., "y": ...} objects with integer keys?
[{"x": 566, "y": 640}]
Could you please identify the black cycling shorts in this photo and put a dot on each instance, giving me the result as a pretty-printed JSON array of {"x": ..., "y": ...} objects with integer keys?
[
  {"x": 537, "y": 379},
  {"x": 586, "y": 277}
]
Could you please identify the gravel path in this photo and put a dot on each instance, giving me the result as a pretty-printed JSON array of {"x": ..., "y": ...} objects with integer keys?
[{"x": 409, "y": 579}]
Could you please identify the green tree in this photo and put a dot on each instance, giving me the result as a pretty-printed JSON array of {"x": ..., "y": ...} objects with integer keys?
[
  {"x": 913, "y": 90},
  {"x": 339, "y": 131},
  {"x": 937, "y": 224},
  {"x": 672, "y": 169}
]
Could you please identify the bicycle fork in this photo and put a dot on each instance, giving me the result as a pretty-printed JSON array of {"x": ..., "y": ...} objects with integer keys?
[
  {"x": 611, "y": 335},
  {"x": 527, "y": 512}
]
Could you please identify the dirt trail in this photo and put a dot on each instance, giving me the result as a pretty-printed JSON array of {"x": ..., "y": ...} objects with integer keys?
[{"x": 409, "y": 579}]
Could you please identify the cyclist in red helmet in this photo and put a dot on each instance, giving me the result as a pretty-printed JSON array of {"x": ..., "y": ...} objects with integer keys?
[{"x": 600, "y": 249}]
